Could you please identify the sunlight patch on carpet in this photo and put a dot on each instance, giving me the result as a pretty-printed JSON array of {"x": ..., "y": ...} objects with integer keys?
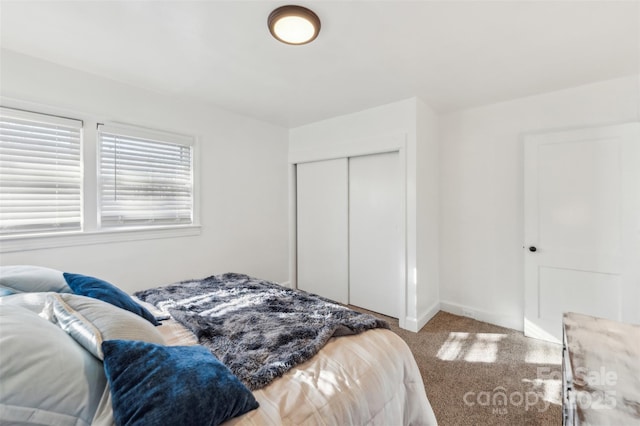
[
  {"x": 471, "y": 347},
  {"x": 484, "y": 347}
]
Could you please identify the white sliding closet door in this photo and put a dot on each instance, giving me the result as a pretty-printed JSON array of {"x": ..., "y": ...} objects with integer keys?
[
  {"x": 322, "y": 228},
  {"x": 375, "y": 225}
]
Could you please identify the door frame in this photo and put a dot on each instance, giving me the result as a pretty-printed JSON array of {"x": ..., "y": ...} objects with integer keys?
[
  {"x": 629, "y": 243},
  {"x": 396, "y": 142}
]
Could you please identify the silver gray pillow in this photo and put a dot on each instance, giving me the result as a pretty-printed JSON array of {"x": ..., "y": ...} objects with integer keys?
[{"x": 91, "y": 321}]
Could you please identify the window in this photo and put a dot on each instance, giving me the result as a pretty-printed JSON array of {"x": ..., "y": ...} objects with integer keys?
[
  {"x": 40, "y": 173},
  {"x": 146, "y": 177},
  {"x": 144, "y": 190}
]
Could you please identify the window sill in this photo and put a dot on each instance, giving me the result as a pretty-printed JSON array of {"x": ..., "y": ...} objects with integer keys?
[{"x": 95, "y": 237}]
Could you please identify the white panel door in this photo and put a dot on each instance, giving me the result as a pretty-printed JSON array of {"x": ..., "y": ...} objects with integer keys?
[
  {"x": 375, "y": 218},
  {"x": 322, "y": 228},
  {"x": 582, "y": 227}
]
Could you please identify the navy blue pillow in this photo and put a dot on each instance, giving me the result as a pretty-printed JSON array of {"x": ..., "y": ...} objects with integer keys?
[
  {"x": 99, "y": 289},
  {"x": 171, "y": 385}
]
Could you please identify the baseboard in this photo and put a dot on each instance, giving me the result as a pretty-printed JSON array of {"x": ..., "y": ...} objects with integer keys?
[
  {"x": 411, "y": 324},
  {"x": 428, "y": 314},
  {"x": 508, "y": 321},
  {"x": 286, "y": 284},
  {"x": 415, "y": 324}
]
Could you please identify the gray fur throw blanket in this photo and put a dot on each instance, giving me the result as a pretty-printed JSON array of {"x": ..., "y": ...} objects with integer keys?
[{"x": 259, "y": 329}]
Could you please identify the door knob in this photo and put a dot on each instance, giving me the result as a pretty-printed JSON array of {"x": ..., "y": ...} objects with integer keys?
[{"x": 532, "y": 249}]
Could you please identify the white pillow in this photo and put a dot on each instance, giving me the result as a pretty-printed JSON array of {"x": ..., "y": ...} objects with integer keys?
[
  {"x": 91, "y": 321},
  {"x": 45, "y": 376},
  {"x": 29, "y": 278}
]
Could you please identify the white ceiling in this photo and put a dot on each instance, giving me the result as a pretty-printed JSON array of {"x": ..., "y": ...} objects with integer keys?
[{"x": 451, "y": 54}]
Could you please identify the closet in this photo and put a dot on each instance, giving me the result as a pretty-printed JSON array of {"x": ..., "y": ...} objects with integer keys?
[
  {"x": 349, "y": 239},
  {"x": 350, "y": 228}
]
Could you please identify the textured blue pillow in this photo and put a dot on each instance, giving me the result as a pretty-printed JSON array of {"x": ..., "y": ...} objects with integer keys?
[
  {"x": 98, "y": 289},
  {"x": 153, "y": 384}
]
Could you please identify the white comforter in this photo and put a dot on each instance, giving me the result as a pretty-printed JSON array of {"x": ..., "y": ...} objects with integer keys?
[{"x": 367, "y": 379}]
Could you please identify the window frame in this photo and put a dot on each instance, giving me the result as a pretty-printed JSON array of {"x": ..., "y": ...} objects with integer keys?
[
  {"x": 144, "y": 134},
  {"x": 91, "y": 233}
]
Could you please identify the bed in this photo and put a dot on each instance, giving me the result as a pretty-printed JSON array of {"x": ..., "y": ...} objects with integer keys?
[{"x": 68, "y": 353}]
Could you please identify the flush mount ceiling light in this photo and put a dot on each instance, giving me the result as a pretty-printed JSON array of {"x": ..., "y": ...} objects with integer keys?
[{"x": 294, "y": 24}]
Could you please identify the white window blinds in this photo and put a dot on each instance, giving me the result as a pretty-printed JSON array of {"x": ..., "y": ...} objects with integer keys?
[
  {"x": 146, "y": 177},
  {"x": 40, "y": 173}
]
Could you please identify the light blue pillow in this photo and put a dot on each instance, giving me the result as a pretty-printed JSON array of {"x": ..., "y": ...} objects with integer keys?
[
  {"x": 171, "y": 385},
  {"x": 32, "y": 279},
  {"x": 35, "y": 302},
  {"x": 46, "y": 378},
  {"x": 85, "y": 285}
]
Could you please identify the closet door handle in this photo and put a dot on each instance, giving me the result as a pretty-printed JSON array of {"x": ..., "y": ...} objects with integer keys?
[{"x": 533, "y": 249}]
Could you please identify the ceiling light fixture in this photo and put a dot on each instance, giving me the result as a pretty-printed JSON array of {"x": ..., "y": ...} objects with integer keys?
[{"x": 294, "y": 24}]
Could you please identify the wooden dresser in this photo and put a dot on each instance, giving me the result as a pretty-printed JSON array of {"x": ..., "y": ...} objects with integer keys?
[{"x": 600, "y": 371}]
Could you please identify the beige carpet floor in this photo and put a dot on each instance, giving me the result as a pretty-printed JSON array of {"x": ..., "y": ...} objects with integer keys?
[{"x": 480, "y": 374}]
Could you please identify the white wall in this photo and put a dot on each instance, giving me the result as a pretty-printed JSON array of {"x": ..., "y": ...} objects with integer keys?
[
  {"x": 428, "y": 210},
  {"x": 244, "y": 191},
  {"x": 243, "y": 177},
  {"x": 481, "y": 190}
]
